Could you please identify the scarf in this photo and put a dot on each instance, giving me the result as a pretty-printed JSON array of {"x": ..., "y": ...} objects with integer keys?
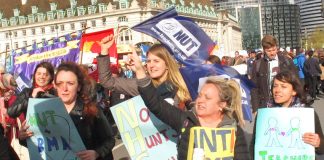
[{"x": 294, "y": 104}]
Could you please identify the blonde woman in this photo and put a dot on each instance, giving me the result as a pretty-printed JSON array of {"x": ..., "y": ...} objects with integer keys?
[
  {"x": 160, "y": 66},
  {"x": 218, "y": 105}
]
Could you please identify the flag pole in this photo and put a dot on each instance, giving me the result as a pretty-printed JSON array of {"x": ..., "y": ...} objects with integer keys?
[{"x": 81, "y": 49}]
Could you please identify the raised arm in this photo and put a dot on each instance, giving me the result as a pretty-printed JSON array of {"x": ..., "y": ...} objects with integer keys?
[{"x": 123, "y": 85}]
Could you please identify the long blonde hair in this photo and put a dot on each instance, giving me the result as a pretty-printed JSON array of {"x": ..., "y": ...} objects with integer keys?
[
  {"x": 229, "y": 92},
  {"x": 174, "y": 75}
]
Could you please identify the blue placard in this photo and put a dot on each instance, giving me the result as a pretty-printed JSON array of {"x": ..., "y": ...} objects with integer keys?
[{"x": 55, "y": 135}]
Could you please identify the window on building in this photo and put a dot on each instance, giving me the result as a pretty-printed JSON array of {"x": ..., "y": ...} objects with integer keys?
[
  {"x": 125, "y": 36},
  {"x": 43, "y": 30},
  {"x": 24, "y": 32},
  {"x": 33, "y": 31},
  {"x": 7, "y": 46},
  {"x": 7, "y": 35},
  {"x": 72, "y": 26},
  {"x": 62, "y": 27},
  {"x": 122, "y": 4},
  {"x": 122, "y": 19},
  {"x": 52, "y": 28},
  {"x": 83, "y": 25},
  {"x": 15, "y": 34},
  {"x": 16, "y": 45},
  {"x": 25, "y": 43},
  {"x": 93, "y": 23}
]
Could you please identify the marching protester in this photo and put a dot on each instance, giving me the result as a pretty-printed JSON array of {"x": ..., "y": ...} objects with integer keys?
[
  {"x": 78, "y": 93},
  {"x": 9, "y": 97},
  {"x": 6, "y": 151},
  {"x": 42, "y": 87},
  {"x": 264, "y": 69},
  {"x": 312, "y": 71},
  {"x": 160, "y": 66},
  {"x": 218, "y": 105},
  {"x": 212, "y": 59},
  {"x": 288, "y": 92}
]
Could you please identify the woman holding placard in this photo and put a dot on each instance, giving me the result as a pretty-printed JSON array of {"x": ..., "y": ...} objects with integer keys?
[
  {"x": 77, "y": 91},
  {"x": 287, "y": 92},
  {"x": 160, "y": 66},
  {"x": 218, "y": 105}
]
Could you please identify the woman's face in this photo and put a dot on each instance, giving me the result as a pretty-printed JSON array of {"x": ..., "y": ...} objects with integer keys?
[
  {"x": 67, "y": 86},
  {"x": 156, "y": 67},
  {"x": 42, "y": 77},
  {"x": 208, "y": 101},
  {"x": 283, "y": 93}
]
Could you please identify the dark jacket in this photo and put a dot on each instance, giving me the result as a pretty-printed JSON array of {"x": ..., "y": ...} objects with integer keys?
[
  {"x": 182, "y": 121},
  {"x": 261, "y": 93},
  {"x": 97, "y": 134},
  {"x": 21, "y": 103},
  {"x": 311, "y": 67},
  {"x": 318, "y": 130},
  {"x": 6, "y": 151}
]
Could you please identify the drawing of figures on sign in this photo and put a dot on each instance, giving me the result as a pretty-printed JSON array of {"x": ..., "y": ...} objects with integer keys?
[
  {"x": 279, "y": 133},
  {"x": 55, "y": 136},
  {"x": 272, "y": 132},
  {"x": 295, "y": 134}
]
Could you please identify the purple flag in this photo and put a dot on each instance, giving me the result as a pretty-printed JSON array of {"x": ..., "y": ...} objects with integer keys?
[
  {"x": 185, "y": 40},
  {"x": 55, "y": 54}
]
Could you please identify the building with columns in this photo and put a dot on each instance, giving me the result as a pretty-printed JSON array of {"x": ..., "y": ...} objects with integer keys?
[{"x": 35, "y": 21}]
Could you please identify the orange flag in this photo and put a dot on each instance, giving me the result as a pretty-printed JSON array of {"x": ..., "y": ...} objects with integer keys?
[{"x": 90, "y": 47}]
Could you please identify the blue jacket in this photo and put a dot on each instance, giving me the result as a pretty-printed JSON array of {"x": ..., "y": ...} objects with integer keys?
[{"x": 299, "y": 61}]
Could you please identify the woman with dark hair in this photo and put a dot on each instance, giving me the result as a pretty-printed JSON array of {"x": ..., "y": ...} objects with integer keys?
[
  {"x": 42, "y": 87},
  {"x": 288, "y": 92},
  {"x": 78, "y": 93}
]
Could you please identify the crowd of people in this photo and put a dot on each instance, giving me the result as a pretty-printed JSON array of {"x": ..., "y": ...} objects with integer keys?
[{"x": 281, "y": 80}]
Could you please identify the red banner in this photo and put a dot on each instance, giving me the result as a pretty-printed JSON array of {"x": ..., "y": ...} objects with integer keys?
[{"x": 90, "y": 47}]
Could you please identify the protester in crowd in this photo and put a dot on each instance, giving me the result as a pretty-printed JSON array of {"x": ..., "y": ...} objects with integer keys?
[
  {"x": 264, "y": 69},
  {"x": 161, "y": 67},
  {"x": 299, "y": 61},
  {"x": 78, "y": 93},
  {"x": 312, "y": 71},
  {"x": 217, "y": 105},
  {"x": 9, "y": 97},
  {"x": 42, "y": 87},
  {"x": 2, "y": 72},
  {"x": 259, "y": 55},
  {"x": 6, "y": 151},
  {"x": 288, "y": 92},
  {"x": 213, "y": 59},
  {"x": 320, "y": 53},
  {"x": 250, "y": 61}
]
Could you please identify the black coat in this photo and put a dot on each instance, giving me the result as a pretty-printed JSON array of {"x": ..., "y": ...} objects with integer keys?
[
  {"x": 96, "y": 134},
  {"x": 260, "y": 95},
  {"x": 182, "y": 121},
  {"x": 21, "y": 103}
]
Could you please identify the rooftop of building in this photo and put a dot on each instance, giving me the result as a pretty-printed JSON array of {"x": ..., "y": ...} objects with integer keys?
[{"x": 44, "y": 5}]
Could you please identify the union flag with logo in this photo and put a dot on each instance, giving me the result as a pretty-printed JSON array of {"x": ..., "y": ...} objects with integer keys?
[{"x": 90, "y": 48}]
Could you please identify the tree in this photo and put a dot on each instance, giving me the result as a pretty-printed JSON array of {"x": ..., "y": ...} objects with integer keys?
[{"x": 315, "y": 39}]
